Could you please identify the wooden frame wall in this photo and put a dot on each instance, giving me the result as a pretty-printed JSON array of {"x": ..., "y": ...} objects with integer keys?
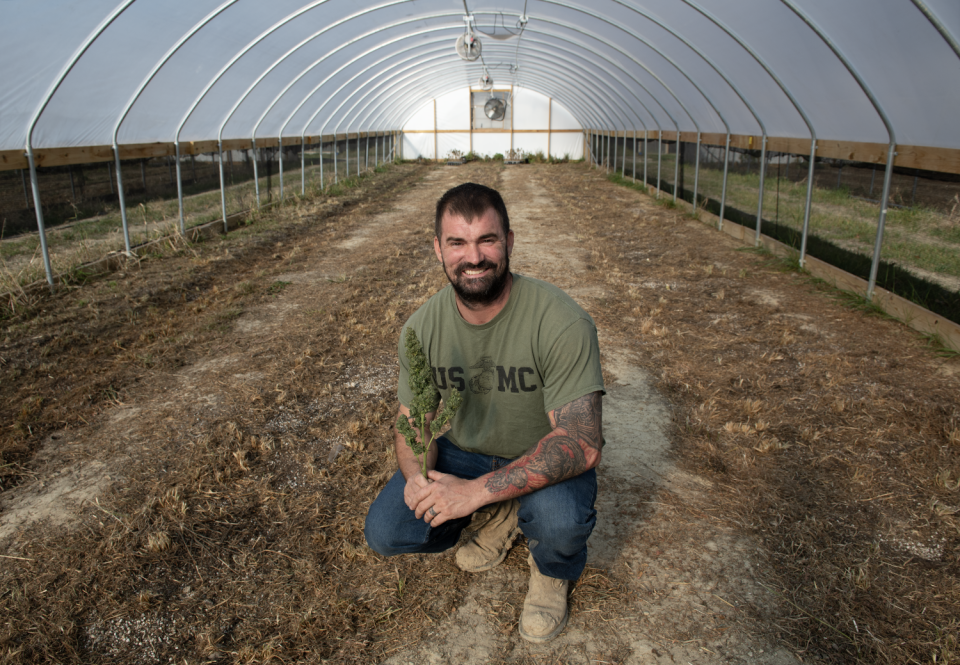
[
  {"x": 944, "y": 160},
  {"x": 17, "y": 159}
]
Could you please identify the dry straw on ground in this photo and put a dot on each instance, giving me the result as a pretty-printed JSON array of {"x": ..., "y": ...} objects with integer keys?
[{"x": 227, "y": 522}]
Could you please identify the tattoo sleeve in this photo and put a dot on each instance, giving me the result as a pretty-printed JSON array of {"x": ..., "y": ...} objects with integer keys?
[{"x": 570, "y": 449}]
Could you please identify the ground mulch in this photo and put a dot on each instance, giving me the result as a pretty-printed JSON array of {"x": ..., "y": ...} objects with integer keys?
[{"x": 235, "y": 399}]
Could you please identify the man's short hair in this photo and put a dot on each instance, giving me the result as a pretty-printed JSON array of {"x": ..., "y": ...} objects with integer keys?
[{"x": 470, "y": 201}]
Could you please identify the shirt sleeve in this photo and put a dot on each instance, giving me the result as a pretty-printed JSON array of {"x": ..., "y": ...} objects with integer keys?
[{"x": 571, "y": 368}]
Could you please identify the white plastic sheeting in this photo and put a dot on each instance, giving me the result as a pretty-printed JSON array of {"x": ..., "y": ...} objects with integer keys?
[
  {"x": 292, "y": 67},
  {"x": 539, "y": 125}
]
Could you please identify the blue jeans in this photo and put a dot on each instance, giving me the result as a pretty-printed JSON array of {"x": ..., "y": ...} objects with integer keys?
[{"x": 557, "y": 520}]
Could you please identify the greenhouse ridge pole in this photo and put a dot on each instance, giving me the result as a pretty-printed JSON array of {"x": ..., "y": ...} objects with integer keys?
[{"x": 68, "y": 66}]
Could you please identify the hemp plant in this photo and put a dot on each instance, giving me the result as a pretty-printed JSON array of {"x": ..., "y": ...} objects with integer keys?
[{"x": 421, "y": 435}]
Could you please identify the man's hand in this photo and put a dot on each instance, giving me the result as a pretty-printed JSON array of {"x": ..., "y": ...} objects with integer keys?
[
  {"x": 446, "y": 498},
  {"x": 411, "y": 492}
]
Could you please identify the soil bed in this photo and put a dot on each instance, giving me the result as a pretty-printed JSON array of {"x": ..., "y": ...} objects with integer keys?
[{"x": 191, "y": 446}]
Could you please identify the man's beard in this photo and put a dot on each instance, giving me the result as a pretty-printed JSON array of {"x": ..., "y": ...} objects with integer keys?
[{"x": 474, "y": 292}]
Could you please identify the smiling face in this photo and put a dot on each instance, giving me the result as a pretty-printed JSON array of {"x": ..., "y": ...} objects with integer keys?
[{"x": 476, "y": 256}]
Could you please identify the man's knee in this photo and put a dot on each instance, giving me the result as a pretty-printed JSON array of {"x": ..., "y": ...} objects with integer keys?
[
  {"x": 562, "y": 512},
  {"x": 382, "y": 526},
  {"x": 379, "y": 541}
]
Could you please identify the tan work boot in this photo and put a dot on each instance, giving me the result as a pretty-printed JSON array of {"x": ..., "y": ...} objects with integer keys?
[
  {"x": 492, "y": 540},
  {"x": 544, "y": 608}
]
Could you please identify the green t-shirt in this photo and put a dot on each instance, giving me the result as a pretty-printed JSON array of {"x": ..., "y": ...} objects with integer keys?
[{"x": 539, "y": 353}]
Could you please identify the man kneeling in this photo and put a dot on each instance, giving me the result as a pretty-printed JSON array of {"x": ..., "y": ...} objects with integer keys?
[{"x": 523, "y": 446}]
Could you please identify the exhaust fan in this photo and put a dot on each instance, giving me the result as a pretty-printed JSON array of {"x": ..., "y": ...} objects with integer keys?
[
  {"x": 495, "y": 108},
  {"x": 468, "y": 47}
]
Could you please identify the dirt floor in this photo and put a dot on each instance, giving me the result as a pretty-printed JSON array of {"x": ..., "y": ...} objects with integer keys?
[{"x": 190, "y": 447}]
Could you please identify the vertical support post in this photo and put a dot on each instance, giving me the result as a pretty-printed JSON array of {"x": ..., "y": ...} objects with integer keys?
[
  {"x": 549, "y": 124},
  {"x": 346, "y": 171},
  {"x": 634, "y": 156},
  {"x": 763, "y": 173},
  {"x": 645, "y": 185},
  {"x": 723, "y": 193},
  {"x": 878, "y": 244},
  {"x": 26, "y": 196},
  {"x": 614, "y": 160},
  {"x": 321, "y": 162},
  {"x": 179, "y": 187},
  {"x": 676, "y": 167},
  {"x": 123, "y": 205},
  {"x": 38, "y": 207},
  {"x": 366, "y": 156},
  {"x": 623, "y": 159},
  {"x": 376, "y": 150},
  {"x": 696, "y": 175},
  {"x": 436, "y": 155},
  {"x": 809, "y": 203},
  {"x": 223, "y": 190},
  {"x": 303, "y": 166},
  {"x": 358, "y": 154},
  {"x": 256, "y": 172},
  {"x": 280, "y": 160},
  {"x": 659, "y": 158},
  {"x": 606, "y": 157},
  {"x": 336, "y": 167},
  {"x": 511, "y": 117}
]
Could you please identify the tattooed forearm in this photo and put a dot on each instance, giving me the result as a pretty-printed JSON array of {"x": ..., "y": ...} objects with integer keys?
[
  {"x": 570, "y": 449},
  {"x": 581, "y": 418}
]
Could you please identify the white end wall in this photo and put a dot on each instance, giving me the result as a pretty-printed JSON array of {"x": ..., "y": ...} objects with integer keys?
[{"x": 539, "y": 125}]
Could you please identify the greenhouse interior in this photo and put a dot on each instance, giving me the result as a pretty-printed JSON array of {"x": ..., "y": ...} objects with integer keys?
[{"x": 821, "y": 132}]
